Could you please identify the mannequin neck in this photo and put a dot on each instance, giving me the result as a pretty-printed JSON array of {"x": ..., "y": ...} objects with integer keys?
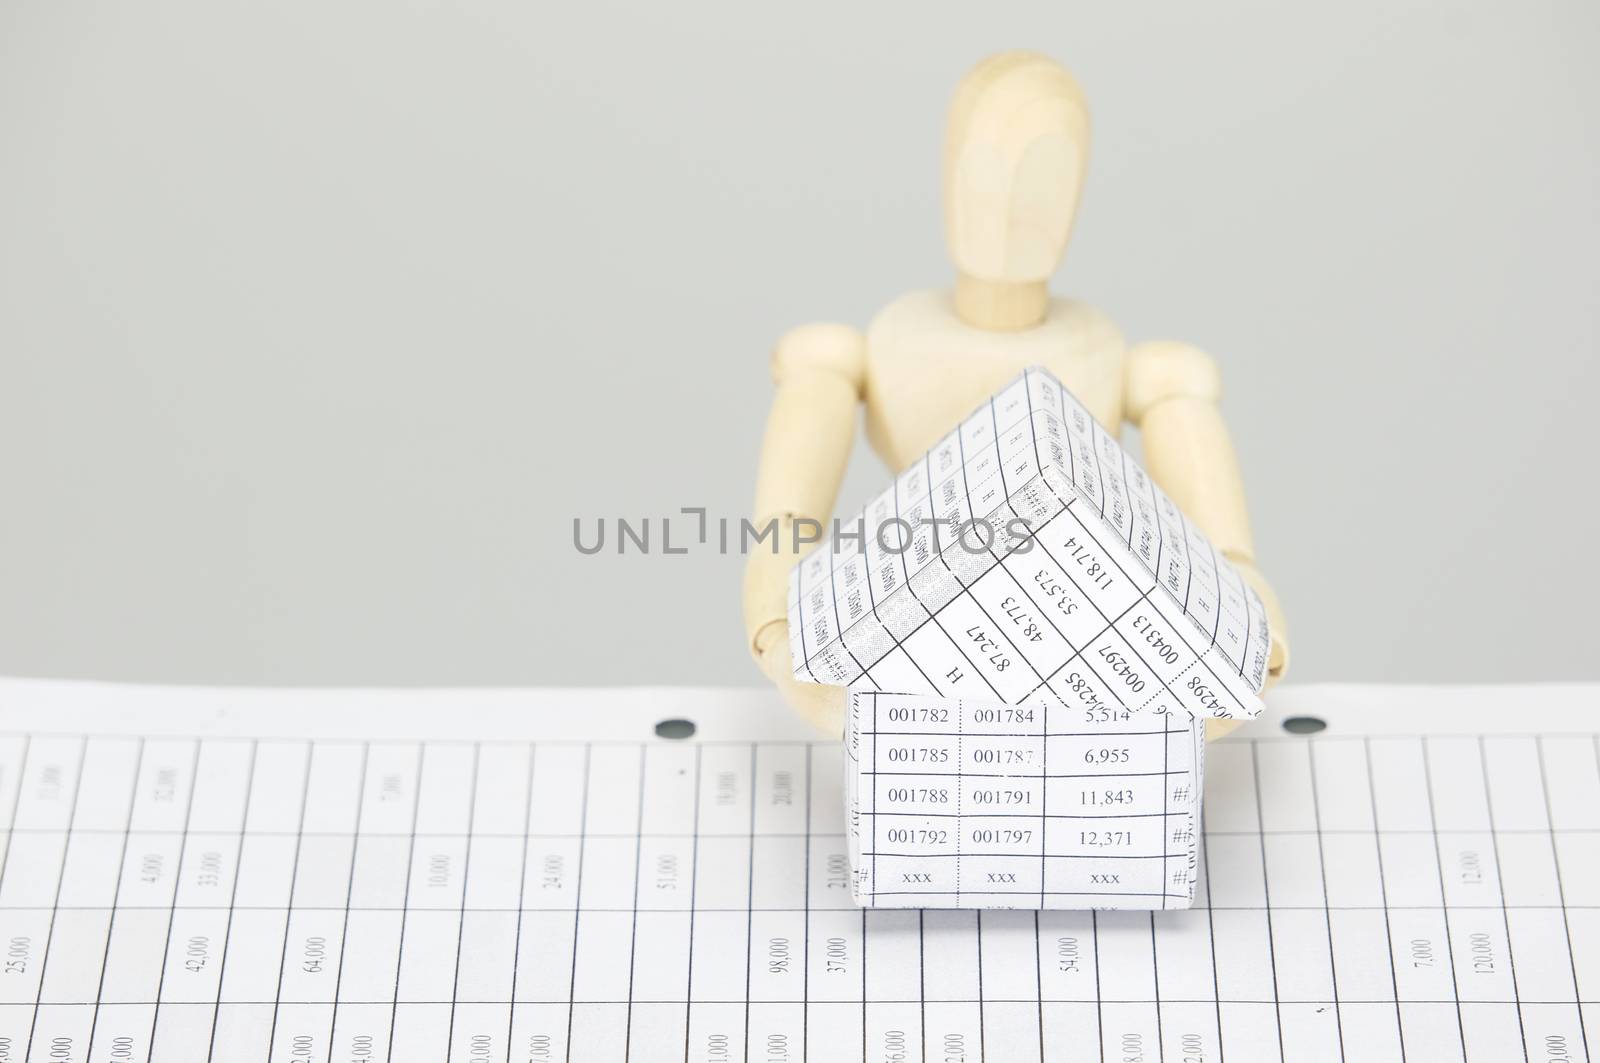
[{"x": 1000, "y": 306}]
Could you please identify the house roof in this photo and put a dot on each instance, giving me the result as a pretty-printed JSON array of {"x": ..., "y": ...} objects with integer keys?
[{"x": 1027, "y": 553}]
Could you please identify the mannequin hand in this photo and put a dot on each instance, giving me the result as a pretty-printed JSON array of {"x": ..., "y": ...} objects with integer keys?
[
  {"x": 1278, "y": 655},
  {"x": 822, "y": 706}
]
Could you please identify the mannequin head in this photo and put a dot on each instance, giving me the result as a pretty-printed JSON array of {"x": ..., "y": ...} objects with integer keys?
[{"x": 1015, "y": 152}]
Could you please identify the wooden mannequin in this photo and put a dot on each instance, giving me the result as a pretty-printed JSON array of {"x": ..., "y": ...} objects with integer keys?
[{"x": 1015, "y": 152}]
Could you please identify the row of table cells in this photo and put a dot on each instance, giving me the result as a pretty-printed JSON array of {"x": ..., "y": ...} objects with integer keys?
[
  {"x": 1084, "y": 797},
  {"x": 1067, "y": 756},
  {"x": 1010, "y": 883},
  {"x": 978, "y": 835},
  {"x": 894, "y": 714}
]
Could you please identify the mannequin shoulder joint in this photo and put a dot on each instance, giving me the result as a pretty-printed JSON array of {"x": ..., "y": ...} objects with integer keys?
[
  {"x": 836, "y": 350},
  {"x": 1168, "y": 370}
]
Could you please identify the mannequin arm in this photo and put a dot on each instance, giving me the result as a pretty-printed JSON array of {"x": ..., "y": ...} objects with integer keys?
[
  {"x": 820, "y": 373},
  {"x": 1172, "y": 394}
]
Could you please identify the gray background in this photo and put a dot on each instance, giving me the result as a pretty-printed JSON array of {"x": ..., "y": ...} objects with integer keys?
[{"x": 319, "y": 323}]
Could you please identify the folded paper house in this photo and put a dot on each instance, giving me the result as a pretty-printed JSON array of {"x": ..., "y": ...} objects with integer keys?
[{"x": 1032, "y": 634}]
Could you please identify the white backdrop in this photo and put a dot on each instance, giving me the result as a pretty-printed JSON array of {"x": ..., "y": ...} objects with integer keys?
[{"x": 319, "y": 323}]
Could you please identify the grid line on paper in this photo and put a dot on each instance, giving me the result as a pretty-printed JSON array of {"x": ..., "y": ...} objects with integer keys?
[
  {"x": 983, "y": 1043},
  {"x": 750, "y": 895},
  {"x": 411, "y": 855},
  {"x": 876, "y": 884},
  {"x": 1276, "y": 832},
  {"x": 1038, "y": 981},
  {"x": 233, "y": 895},
  {"x": 864, "y": 997},
  {"x": 350, "y": 887},
  {"x": 805, "y": 961},
  {"x": 1277, "y": 907},
  {"x": 466, "y": 876},
  {"x": 694, "y": 884},
  {"x": 1044, "y": 805},
  {"x": 16, "y": 803},
  {"x": 55, "y": 907},
  {"x": 1257, "y": 739},
  {"x": 1155, "y": 978},
  {"x": 1099, "y": 999},
  {"x": 1211, "y": 927},
  {"x": 577, "y": 902},
  {"x": 960, "y": 717},
  {"x": 633, "y": 931},
  {"x": 922, "y": 978},
  {"x": 1444, "y": 907},
  {"x": 294, "y": 877},
  {"x": 1266, "y": 893},
  {"x": 177, "y": 883},
  {"x": 1561, "y": 887},
  {"x": 1166, "y": 822},
  {"x": 1383, "y": 894},
  {"x": 522, "y": 893},
  {"x": 619, "y": 1002},
  {"x": 1505, "y": 918},
  {"x": 1322, "y": 876}
]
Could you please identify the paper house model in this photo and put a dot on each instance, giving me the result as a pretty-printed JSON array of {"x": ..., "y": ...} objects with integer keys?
[{"x": 1033, "y": 635}]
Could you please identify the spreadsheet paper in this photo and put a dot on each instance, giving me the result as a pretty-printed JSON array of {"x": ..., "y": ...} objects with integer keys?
[{"x": 192, "y": 874}]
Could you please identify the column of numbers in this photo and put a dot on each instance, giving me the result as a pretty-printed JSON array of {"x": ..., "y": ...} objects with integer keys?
[
  {"x": 720, "y": 951},
  {"x": 603, "y": 931},
  {"x": 204, "y": 872},
  {"x": 1569, "y": 769},
  {"x": 1004, "y": 829},
  {"x": 1363, "y": 962},
  {"x": 778, "y": 904},
  {"x": 480, "y": 1021},
  {"x": 313, "y": 939},
  {"x": 253, "y": 950},
  {"x": 658, "y": 1012},
  {"x": 1111, "y": 789},
  {"x": 542, "y": 979},
  {"x": 1429, "y": 1018},
  {"x": 44, "y": 803},
  {"x": 1473, "y": 875},
  {"x": 833, "y": 949},
  {"x": 70, "y": 975},
  {"x": 1234, "y": 876},
  {"x": 1538, "y": 942},
  {"x": 1303, "y": 971},
  {"x": 134, "y": 979},
  {"x": 430, "y": 931},
  {"x": 911, "y": 841},
  {"x": 367, "y": 976}
]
